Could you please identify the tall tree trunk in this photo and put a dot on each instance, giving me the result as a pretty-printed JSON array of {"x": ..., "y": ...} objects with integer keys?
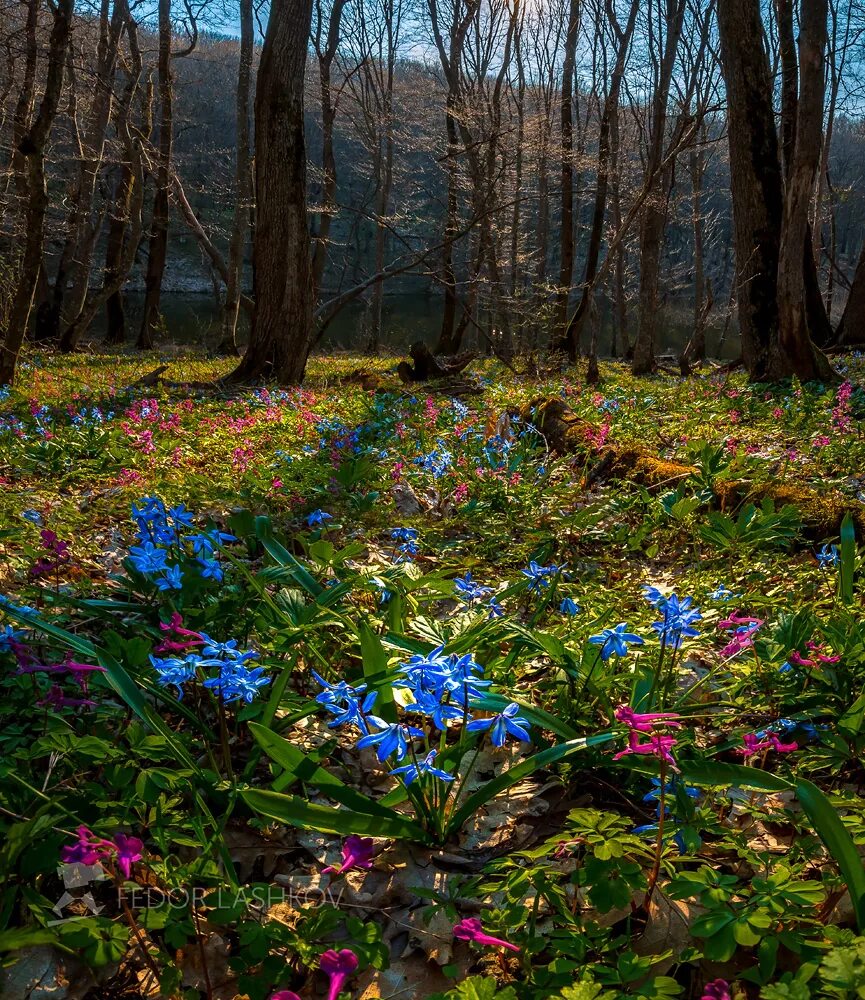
[
  {"x": 328, "y": 155},
  {"x": 566, "y": 232},
  {"x": 851, "y": 327},
  {"x": 654, "y": 220},
  {"x": 32, "y": 147},
  {"x": 445, "y": 343},
  {"x": 755, "y": 178},
  {"x": 281, "y": 333},
  {"x": 242, "y": 182},
  {"x": 158, "y": 245},
  {"x": 609, "y": 119},
  {"x": 793, "y": 353}
]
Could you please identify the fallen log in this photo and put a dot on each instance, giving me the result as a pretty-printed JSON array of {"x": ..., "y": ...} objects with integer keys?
[
  {"x": 428, "y": 367},
  {"x": 567, "y": 433}
]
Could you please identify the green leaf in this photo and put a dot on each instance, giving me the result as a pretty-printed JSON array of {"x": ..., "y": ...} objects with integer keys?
[
  {"x": 283, "y": 557},
  {"x": 838, "y": 842},
  {"x": 295, "y": 811},
  {"x": 848, "y": 558},
  {"x": 520, "y": 771},
  {"x": 713, "y": 772},
  {"x": 375, "y": 672},
  {"x": 298, "y": 766}
]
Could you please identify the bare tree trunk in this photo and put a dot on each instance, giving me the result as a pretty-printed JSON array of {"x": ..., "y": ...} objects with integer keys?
[
  {"x": 654, "y": 220},
  {"x": 158, "y": 246},
  {"x": 566, "y": 232},
  {"x": 326, "y": 57},
  {"x": 755, "y": 178},
  {"x": 851, "y": 327},
  {"x": 281, "y": 333},
  {"x": 609, "y": 119},
  {"x": 242, "y": 183},
  {"x": 793, "y": 353},
  {"x": 695, "y": 349},
  {"x": 32, "y": 147}
]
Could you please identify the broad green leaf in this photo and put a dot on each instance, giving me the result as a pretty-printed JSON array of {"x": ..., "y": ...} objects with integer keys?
[
  {"x": 283, "y": 557},
  {"x": 712, "y": 772},
  {"x": 537, "y": 716},
  {"x": 837, "y": 841},
  {"x": 848, "y": 558},
  {"x": 375, "y": 672},
  {"x": 295, "y": 811},
  {"x": 298, "y": 766}
]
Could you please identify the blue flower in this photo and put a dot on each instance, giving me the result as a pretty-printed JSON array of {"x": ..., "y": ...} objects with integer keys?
[
  {"x": 175, "y": 672},
  {"x": 569, "y": 607},
  {"x": 721, "y": 593},
  {"x": 539, "y": 576},
  {"x": 318, "y": 517},
  {"x": 172, "y": 579},
  {"x": 496, "y": 610},
  {"x": 33, "y": 516},
  {"x": 180, "y": 515},
  {"x": 403, "y": 534},
  {"x": 615, "y": 640},
  {"x": 428, "y": 703},
  {"x": 506, "y": 723},
  {"x": 391, "y": 738},
  {"x": 413, "y": 771},
  {"x": 211, "y": 570},
  {"x": 237, "y": 683},
  {"x": 828, "y": 556},
  {"x": 470, "y": 590},
  {"x": 9, "y": 636},
  {"x": 678, "y": 620},
  {"x": 147, "y": 558},
  {"x": 653, "y": 595}
]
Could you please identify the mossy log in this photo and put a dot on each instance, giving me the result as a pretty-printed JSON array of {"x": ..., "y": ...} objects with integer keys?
[{"x": 566, "y": 433}]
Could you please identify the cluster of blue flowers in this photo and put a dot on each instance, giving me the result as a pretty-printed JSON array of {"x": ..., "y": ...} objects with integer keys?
[
  {"x": 234, "y": 680},
  {"x": 161, "y": 535},
  {"x": 407, "y": 547},
  {"x": 438, "y": 461},
  {"x": 540, "y": 576},
  {"x": 678, "y": 620},
  {"x": 443, "y": 687}
]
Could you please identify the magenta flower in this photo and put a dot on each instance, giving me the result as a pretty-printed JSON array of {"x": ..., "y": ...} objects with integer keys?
[
  {"x": 339, "y": 965},
  {"x": 657, "y": 745},
  {"x": 87, "y": 850},
  {"x": 471, "y": 929},
  {"x": 645, "y": 722},
  {"x": 356, "y": 853},
  {"x": 754, "y": 744},
  {"x": 129, "y": 850},
  {"x": 717, "y": 989},
  {"x": 735, "y": 621}
]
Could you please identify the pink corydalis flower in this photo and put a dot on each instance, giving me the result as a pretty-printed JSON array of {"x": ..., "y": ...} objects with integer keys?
[
  {"x": 356, "y": 853},
  {"x": 754, "y": 745},
  {"x": 174, "y": 626},
  {"x": 645, "y": 722},
  {"x": 471, "y": 929},
  {"x": 717, "y": 989},
  {"x": 339, "y": 966},
  {"x": 90, "y": 850},
  {"x": 735, "y": 621},
  {"x": 657, "y": 745}
]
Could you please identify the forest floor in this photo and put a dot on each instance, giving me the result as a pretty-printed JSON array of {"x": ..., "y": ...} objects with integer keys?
[{"x": 611, "y": 725}]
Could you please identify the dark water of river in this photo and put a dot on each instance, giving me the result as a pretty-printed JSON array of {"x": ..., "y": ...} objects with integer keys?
[{"x": 193, "y": 319}]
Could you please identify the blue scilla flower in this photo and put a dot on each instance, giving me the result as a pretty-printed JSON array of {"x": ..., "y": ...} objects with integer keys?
[
  {"x": 352, "y": 712},
  {"x": 391, "y": 738},
  {"x": 721, "y": 593},
  {"x": 670, "y": 790},
  {"x": 180, "y": 516},
  {"x": 211, "y": 570},
  {"x": 470, "y": 590},
  {"x": 506, "y": 723},
  {"x": 411, "y": 772},
  {"x": 404, "y": 534},
  {"x": 172, "y": 671},
  {"x": 615, "y": 640},
  {"x": 171, "y": 579},
  {"x": 226, "y": 650},
  {"x": 238, "y": 683},
  {"x": 654, "y": 596},
  {"x": 539, "y": 576},
  {"x": 318, "y": 517},
  {"x": 440, "y": 712},
  {"x": 147, "y": 558},
  {"x": 33, "y": 516},
  {"x": 8, "y": 636},
  {"x": 569, "y": 607},
  {"x": 678, "y": 621},
  {"x": 828, "y": 556},
  {"x": 495, "y": 609},
  {"x": 406, "y": 551}
]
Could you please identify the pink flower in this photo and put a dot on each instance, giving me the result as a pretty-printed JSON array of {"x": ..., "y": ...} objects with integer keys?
[
  {"x": 129, "y": 850},
  {"x": 735, "y": 620},
  {"x": 86, "y": 850},
  {"x": 717, "y": 989},
  {"x": 645, "y": 722},
  {"x": 90, "y": 850},
  {"x": 339, "y": 965},
  {"x": 471, "y": 929},
  {"x": 356, "y": 853},
  {"x": 754, "y": 745},
  {"x": 657, "y": 745}
]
